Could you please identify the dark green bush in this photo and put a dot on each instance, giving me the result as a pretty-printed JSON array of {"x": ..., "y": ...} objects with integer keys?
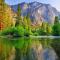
[
  {"x": 26, "y": 32},
  {"x": 14, "y": 31},
  {"x": 56, "y": 30}
]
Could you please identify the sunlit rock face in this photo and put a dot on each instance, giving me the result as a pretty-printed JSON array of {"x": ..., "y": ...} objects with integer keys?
[{"x": 39, "y": 12}]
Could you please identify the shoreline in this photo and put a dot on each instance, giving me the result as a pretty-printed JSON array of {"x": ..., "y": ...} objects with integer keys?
[
  {"x": 33, "y": 36},
  {"x": 51, "y": 37}
]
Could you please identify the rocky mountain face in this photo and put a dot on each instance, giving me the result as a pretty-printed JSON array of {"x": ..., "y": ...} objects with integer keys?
[{"x": 39, "y": 12}]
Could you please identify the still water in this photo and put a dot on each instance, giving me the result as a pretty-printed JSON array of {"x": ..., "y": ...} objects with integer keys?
[{"x": 29, "y": 49}]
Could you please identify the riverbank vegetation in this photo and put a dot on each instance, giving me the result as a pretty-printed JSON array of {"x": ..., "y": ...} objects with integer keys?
[{"x": 23, "y": 27}]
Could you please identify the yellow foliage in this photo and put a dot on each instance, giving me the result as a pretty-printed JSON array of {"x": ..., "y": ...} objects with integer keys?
[{"x": 7, "y": 16}]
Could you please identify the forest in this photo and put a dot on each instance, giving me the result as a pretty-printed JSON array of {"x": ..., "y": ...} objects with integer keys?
[
  {"x": 22, "y": 25},
  {"x": 14, "y": 25}
]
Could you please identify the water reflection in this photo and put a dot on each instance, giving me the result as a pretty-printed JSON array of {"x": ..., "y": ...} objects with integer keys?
[{"x": 29, "y": 49}]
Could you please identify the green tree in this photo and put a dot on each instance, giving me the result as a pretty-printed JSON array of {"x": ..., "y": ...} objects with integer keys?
[
  {"x": 56, "y": 27},
  {"x": 18, "y": 18},
  {"x": 14, "y": 31},
  {"x": 56, "y": 30},
  {"x": 25, "y": 23},
  {"x": 56, "y": 20},
  {"x": 48, "y": 29},
  {"x": 42, "y": 29},
  {"x": 29, "y": 23}
]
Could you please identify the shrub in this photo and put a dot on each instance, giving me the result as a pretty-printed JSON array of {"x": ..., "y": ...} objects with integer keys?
[
  {"x": 35, "y": 34},
  {"x": 26, "y": 32},
  {"x": 56, "y": 30},
  {"x": 20, "y": 30},
  {"x": 14, "y": 31}
]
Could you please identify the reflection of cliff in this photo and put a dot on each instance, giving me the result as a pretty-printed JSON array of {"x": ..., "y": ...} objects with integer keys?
[
  {"x": 25, "y": 50},
  {"x": 37, "y": 52}
]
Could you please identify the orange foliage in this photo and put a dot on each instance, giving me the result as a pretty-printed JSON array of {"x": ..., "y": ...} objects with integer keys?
[{"x": 1, "y": 25}]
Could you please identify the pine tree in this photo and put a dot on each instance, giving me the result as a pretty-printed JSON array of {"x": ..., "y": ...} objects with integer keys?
[
  {"x": 56, "y": 20},
  {"x": 29, "y": 22},
  {"x": 42, "y": 30},
  {"x": 25, "y": 23},
  {"x": 18, "y": 18},
  {"x": 48, "y": 29},
  {"x": 56, "y": 27}
]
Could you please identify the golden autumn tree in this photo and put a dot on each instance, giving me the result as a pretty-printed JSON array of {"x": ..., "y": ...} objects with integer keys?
[
  {"x": 6, "y": 15},
  {"x": 9, "y": 19},
  {"x": 1, "y": 13}
]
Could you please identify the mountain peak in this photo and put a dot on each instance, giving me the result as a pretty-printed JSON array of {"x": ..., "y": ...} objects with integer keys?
[
  {"x": 35, "y": 2},
  {"x": 38, "y": 11}
]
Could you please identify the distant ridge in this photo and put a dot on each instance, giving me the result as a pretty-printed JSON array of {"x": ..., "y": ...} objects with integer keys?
[{"x": 39, "y": 12}]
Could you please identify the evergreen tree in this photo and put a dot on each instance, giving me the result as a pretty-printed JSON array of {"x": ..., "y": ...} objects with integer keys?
[
  {"x": 42, "y": 30},
  {"x": 18, "y": 18},
  {"x": 48, "y": 29},
  {"x": 56, "y": 27},
  {"x": 25, "y": 22},
  {"x": 29, "y": 22},
  {"x": 56, "y": 20}
]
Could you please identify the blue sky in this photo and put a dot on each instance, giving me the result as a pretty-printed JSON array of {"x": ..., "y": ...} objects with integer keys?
[{"x": 54, "y": 3}]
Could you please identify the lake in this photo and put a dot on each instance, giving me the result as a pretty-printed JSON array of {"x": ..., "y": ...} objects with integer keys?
[{"x": 26, "y": 48}]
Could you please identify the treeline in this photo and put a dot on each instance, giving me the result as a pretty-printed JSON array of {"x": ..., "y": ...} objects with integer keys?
[
  {"x": 48, "y": 29},
  {"x": 23, "y": 27}
]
